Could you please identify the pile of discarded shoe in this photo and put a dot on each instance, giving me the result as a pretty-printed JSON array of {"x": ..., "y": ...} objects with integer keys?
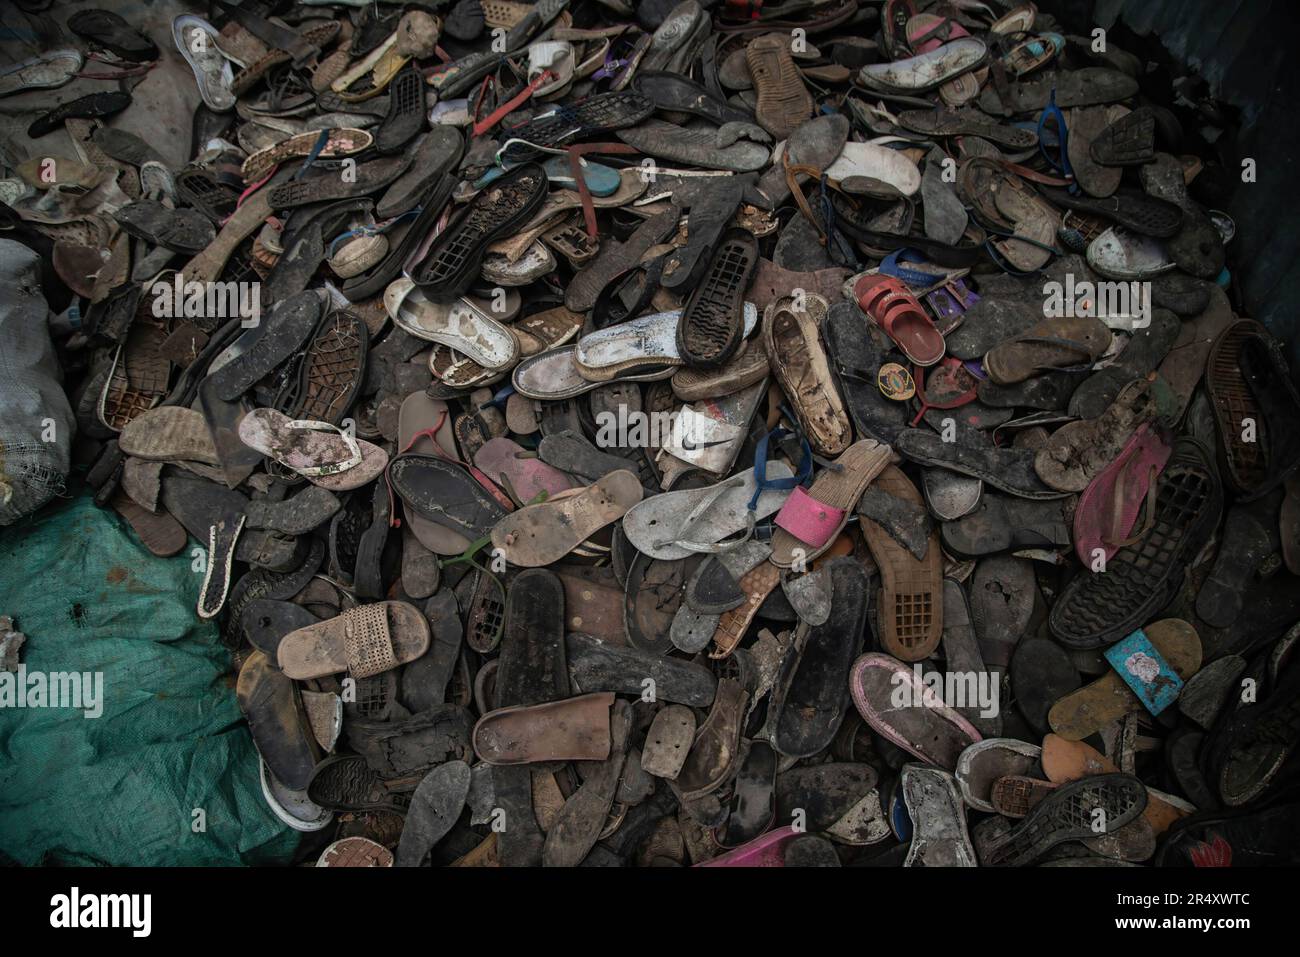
[{"x": 740, "y": 434}]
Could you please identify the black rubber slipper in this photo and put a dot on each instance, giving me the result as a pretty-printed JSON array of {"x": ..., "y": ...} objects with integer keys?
[
  {"x": 405, "y": 111},
  {"x": 368, "y": 572},
  {"x": 180, "y": 230},
  {"x": 533, "y": 667},
  {"x": 278, "y": 336},
  {"x": 91, "y": 106},
  {"x": 424, "y": 682},
  {"x": 1004, "y": 605},
  {"x": 403, "y": 242},
  {"x": 1145, "y": 350},
  {"x": 712, "y": 322},
  {"x": 446, "y": 493},
  {"x": 713, "y": 588},
  {"x": 454, "y": 260},
  {"x": 823, "y": 792},
  {"x": 856, "y": 360},
  {"x": 562, "y": 125},
  {"x": 600, "y": 666},
  {"x": 108, "y": 30},
  {"x": 677, "y": 94},
  {"x": 812, "y": 687},
  {"x": 265, "y": 621},
  {"x": 1001, "y": 523},
  {"x": 1130, "y": 208},
  {"x": 273, "y": 707},
  {"x": 1050, "y": 392},
  {"x": 712, "y": 205},
  {"x": 436, "y": 152},
  {"x": 1041, "y": 674},
  {"x": 752, "y": 807},
  {"x": 1246, "y": 542},
  {"x": 1069, "y": 813},
  {"x": 434, "y": 810},
  {"x": 1009, "y": 469}
]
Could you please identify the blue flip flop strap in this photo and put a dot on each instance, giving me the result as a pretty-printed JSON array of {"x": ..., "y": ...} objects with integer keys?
[
  {"x": 889, "y": 266},
  {"x": 763, "y": 483},
  {"x": 314, "y": 154}
]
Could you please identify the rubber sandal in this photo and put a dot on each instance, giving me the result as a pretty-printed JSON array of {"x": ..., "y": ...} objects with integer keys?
[
  {"x": 91, "y": 106},
  {"x": 454, "y": 259},
  {"x": 1007, "y": 469},
  {"x": 272, "y": 705},
  {"x": 809, "y": 696},
  {"x": 1129, "y": 140},
  {"x": 929, "y": 730},
  {"x": 783, "y": 101},
  {"x": 809, "y": 520},
  {"x": 715, "y": 749},
  {"x": 573, "y": 729},
  {"x": 158, "y": 532},
  {"x": 1085, "y": 125},
  {"x": 364, "y": 641},
  {"x": 1246, "y": 543},
  {"x": 708, "y": 148},
  {"x": 1051, "y": 344},
  {"x": 582, "y": 820},
  {"x": 1097, "y": 609},
  {"x": 447, "y": 494},
  {"x": 1198, "y": 248},
  {"x": 875, "y": 162},
  {"x": 790, "y": 338},
  {"x": 335, "y": 462},
  {"x": 1145, "y": 350},
  {"x": 1079, "y": 451},
  {"x": 435, "y": 807},
  {"x": 896, "y": 311},
  {"x": 262, "y": 349},
  {"x": 1001, "y": 523},
  {"x": 327, "y": 186},
  {"x": 939, "y": 835},
  {"x": 910, "y": 607},
  {"x": 138, "y": 377},
  {"x": 950, "y": 122},
  {"x": 541, "y": 534},
  {"x": 712, "y": 324},
  {"x": 1084, "y": 712},
  {"x": 1041, "y": 674}
]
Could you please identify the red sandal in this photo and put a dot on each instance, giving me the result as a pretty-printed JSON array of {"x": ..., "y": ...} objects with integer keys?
[{"x": 896, "y": 311}]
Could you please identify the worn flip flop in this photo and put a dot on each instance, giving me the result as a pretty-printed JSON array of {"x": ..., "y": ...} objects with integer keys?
[
  {"x": 1006, "y": 468},
  {"x": 1079, "y": 451},
  {"x": 45, "y": 71},
  {"x": 583, "y": 818},
  {"x": 544, "y": 533},
  {"x": 1084, "y": 712},
  {"x": 363, "y": 641},
  {"x": 1246, "y": 379},
  {"x": 435, "y": 807},
  {"x": 321, "y": 452},
  {"x": 446, "y": 493},
  {"x": 681, "y": 523},
  {"x": 1097, "y": 609},
  {"x": 939, "y": 834},
  {"x": 928, "y": 728},
  {"x": 716, "y": 746},
  {"x": 1109, "y": 507},
  {"x": 1051, "y": 344},
  {"x": 272, "y": 705},
  {"x": 1000, "y": 523},
  {"x": 809, "y": 520},
  {"x": 339, "y": 142},
  {"x": 926, "y": 71},
  {"x": 984, "y": 762}
]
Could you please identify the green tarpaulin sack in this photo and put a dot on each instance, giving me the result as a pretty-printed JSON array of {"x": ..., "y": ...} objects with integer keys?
[{"x": 166, "y": 774}]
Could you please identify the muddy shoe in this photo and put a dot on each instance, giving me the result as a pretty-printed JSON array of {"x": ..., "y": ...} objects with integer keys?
[
  {"x": 1068, "y": 814},
  {"x": 453, "y": 261},
  {"x": 1098, "y": 608},
  {"x": 711, "y": 325}
]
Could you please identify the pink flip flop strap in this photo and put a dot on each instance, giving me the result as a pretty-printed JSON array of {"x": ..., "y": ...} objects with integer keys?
[{"x": 810, "y": 521}]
